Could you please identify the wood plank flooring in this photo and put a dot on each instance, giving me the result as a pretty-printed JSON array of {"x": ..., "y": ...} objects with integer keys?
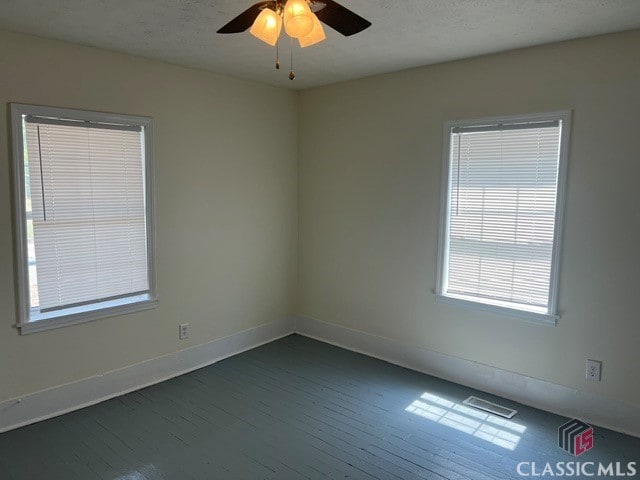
[{"x": 295, "y": 409}]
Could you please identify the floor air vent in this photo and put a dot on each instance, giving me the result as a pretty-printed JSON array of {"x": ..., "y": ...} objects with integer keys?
[{"x": 494, "y": 408}]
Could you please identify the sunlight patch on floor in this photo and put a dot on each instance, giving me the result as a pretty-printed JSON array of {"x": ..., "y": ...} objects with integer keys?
[{"x": 491, "y": 428}]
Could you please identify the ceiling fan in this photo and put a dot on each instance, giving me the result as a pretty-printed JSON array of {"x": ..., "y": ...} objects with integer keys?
[{"x": 301, "y": 20}]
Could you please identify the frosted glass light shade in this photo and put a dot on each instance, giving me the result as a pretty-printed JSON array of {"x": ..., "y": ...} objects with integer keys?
[
  {"x": 298, "y": 18},
  {"x": 267, "y": 26},
  {"x": 316, "y": 36}
]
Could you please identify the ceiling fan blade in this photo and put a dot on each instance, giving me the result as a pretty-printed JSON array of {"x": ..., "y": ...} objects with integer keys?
[
  {"x": 341, "y": 18},
  {"x": 245, "y": 19}
]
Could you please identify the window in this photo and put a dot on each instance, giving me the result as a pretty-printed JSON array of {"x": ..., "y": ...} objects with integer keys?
[
  {"x": 503, "y": 184},
  {"x": 83, "y": 188}
]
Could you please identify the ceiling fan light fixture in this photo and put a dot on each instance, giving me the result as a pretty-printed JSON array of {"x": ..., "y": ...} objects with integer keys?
[
  {"x": 298, "y": 18},
  {"x": 316, "y": 36},
  {"x": 266, "y": 18},
  {"x": 267, "y": 26}
]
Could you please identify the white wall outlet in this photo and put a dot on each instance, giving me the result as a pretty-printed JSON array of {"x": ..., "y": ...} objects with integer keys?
[
  {"x": 183, "y": 331},
  {"x": 594, "y": 370}
]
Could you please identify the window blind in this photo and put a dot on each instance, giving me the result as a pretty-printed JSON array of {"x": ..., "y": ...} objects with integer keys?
[
  {"x": 502, "y": 208},
  {"x": 87, "y": 188}
]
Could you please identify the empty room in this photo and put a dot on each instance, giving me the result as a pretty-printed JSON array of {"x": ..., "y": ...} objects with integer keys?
[{"x": 318, "y": 239}]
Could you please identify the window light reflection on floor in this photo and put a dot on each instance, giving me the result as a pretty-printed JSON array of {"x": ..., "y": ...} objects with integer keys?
[
  {"x": 488, "y": 427},
  {"x": 144, "y": 472}
]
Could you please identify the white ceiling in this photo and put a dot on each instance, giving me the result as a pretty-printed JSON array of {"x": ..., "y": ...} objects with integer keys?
[{"x": 405, "y": 33}]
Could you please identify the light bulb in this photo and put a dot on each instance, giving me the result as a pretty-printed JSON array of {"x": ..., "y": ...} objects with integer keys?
[
  {"x": 267, "y": 26},
  {"x": 315, "y": 36},
  {"x": 298, "y": 18}
]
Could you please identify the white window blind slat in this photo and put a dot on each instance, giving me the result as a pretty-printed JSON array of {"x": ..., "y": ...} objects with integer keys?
[
  {"x": 502, "y": 198},
  {"x": 88, "y": 200}
]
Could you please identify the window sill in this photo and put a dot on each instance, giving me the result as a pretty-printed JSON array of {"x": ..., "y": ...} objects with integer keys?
[
  {"x": 527, "y": 315},
  {"x": 40, "y": 322}
]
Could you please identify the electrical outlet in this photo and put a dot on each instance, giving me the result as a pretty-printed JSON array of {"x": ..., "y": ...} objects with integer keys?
[
  {"x": 183, "y": 331},
  {"x": 594, "y": 370}
]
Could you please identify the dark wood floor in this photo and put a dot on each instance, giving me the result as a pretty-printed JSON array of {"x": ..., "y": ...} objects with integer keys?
[{"x": 295, "y": 408}]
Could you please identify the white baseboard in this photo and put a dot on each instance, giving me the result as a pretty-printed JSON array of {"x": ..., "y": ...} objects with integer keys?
[
  {"x": 55, "y": 401},
  {"x": 592, "y": 408}
]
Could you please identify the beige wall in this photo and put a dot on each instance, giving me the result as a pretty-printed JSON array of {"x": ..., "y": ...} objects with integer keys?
[
  {"x": 369, "y": 182},
  {"x": 225, "y": 155},
  {"x": 369, "y": 185}
]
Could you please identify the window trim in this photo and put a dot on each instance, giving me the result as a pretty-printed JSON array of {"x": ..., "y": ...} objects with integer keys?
[
  {"x": 552, "y": 317},
  {"x": 25, "y": 323}
]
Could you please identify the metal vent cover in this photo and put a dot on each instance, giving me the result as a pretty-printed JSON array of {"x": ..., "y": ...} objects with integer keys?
[{"x": 490, "y": 407}]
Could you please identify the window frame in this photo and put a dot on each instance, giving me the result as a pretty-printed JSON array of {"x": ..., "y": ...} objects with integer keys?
[
  {"x": 552, "y": 316},
  {"x": 100, "y": 309}
]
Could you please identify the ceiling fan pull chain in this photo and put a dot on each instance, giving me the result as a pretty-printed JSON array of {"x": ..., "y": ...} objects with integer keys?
[
  {"x": 292, "y": 74},
  {"x": 278, "y": 12}
]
